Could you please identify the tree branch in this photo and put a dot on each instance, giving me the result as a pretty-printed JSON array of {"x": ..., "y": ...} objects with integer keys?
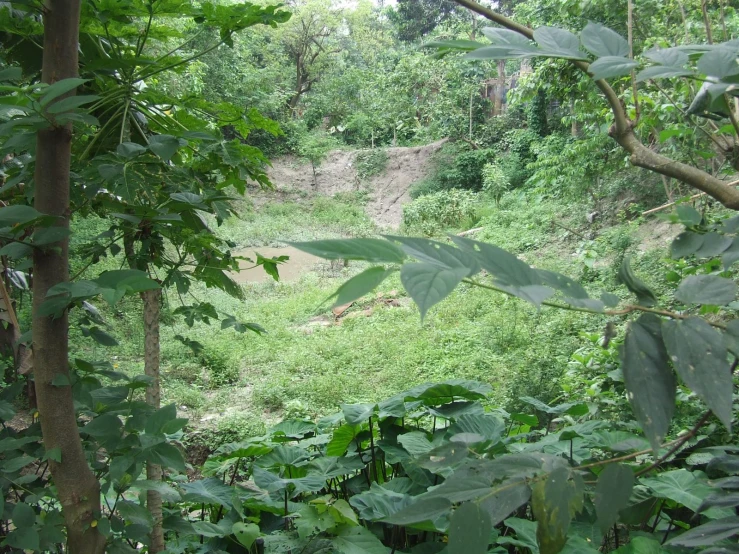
[{"x": 622, "y": 130}]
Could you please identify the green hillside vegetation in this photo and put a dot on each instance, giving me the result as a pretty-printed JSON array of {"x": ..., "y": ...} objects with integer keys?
[{"x": 418, "y": 277}]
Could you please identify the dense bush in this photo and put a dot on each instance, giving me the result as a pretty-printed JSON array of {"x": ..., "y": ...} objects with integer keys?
[
  {"x": 495, "y": 181},
  {"x": 429, "y": 214}
]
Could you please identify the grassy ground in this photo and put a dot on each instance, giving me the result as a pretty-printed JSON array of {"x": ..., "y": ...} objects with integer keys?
[{"x": 308, "y": 363}]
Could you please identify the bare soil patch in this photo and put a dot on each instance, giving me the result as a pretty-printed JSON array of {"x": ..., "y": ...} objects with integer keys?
[{"x": 389, "y": 190}]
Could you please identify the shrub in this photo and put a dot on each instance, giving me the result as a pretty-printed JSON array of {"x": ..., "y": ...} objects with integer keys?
[
  {"x": 431, "y": 213},
  {"x": 495, "y": 181},
  {"x": 371, "y": 162},
  {"x": 221, "y": 365}
]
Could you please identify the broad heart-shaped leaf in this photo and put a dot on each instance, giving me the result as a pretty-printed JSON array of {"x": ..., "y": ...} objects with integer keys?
[
  {"x": 708, "y": 534},
  {"x": 644, "y": 295},
  {"x": 559, "y": 42},
  {"x": 699, "y": 356},
  {"x": 486, "y": 425},
  {"x": 505, "y": 498},
  {"x": 130, "y": 150},
  {"x": 602, "y": 41},
  {"x": 713, "y": 245},
  {"x": 208, "y": 491},
  {"x": 649, "y": 381},
  {"x": 608, "y": 67},
  {"x": 164, "y": 146},
  {"x": 661, "y": 72},
  {"x": 505, "y": 268},
  {"x": 469, "y": 530},
  {"x": 437, "y": 253},
  {"x": 731, "y": 254},
  {"x": 379, "y": 502},
  {"x": 612, "y": 494},
  {"x": 719, "y": 62},
  {"x": 525, "y": 534},
  {"x": 358, "y": 413},
  {"x": 685, "y": 244},
  {"x": 361, "y": 284},
  {"x": 642, "y": 545},
  {"x": 706, "y": 289},
  {"x": 686, "y": 488},
  {"x": 341, "y": 439},
  {"x": 505, "y": 36},
  {"x": 425, "y": 509},
  {"x": 434, "y": 394},
  {"x": 246, "y": 533},
  {"x": 368, "y": 250},
  {"x": 554, "y": 502},
  {"x": 358, "y": 540},
  {"x": 429, "y": 284}
]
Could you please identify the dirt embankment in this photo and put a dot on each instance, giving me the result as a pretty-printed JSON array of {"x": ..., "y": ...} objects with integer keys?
[{"x": 338, "y": 173}]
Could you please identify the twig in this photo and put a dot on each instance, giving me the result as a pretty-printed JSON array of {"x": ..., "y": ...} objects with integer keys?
[
  {"x": 678, "y": 445},
  {"x": 662, "y": 207}
]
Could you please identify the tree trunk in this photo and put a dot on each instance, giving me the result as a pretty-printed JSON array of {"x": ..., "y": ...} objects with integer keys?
[
  {"x": 500, "y": 88},
  {"x": 151, "y": 300},
  {"x": 78, "y": 489}
]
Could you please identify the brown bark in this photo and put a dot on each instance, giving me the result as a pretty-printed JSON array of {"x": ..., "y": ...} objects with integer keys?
[
  {"x": 499, "y": 89},
  {"x": 151, "y": 300},
  {"x": 622, "y": 130},
  {"x": 78, "y": 489}
]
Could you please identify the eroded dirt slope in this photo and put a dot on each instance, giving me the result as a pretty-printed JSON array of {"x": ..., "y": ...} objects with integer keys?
[{"x": 338, "y": 173}]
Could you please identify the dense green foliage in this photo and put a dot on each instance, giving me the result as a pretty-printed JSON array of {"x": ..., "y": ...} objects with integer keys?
[{"x": 596, "y": 415}]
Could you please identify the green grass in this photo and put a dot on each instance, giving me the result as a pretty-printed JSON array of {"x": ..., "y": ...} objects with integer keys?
[
  {"x": 298, "y": 219},
  {"x": 241, "y": 382}
]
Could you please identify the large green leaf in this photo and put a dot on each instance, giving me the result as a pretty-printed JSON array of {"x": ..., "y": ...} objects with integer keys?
[
  {"x": 488, "y": 426},
  {"x": 612, "y": 494},
  {"x": 358, "y": 540},
  {"x": 649, "y": 381},
  {"x": 626, "y": 275},
  {"x": 554, "y": 503},
  {"x": 429, "y": 284},
  {"x": 361, "y": 284},
  {"x": 358, "y": 413},
  {"x": 713, "y": 245},
  {"x": 706, "y": 289},
  {"x": 709, "y": 533},
  {"x": 641, "y": 545},
  {"x": 437, "y": 253},
  {"x": 602, "y": 41},
  {"x": 18, "y": 214},
  {"x": 434, "y": 394},
  {"x": 208, "y": 491},
  {"x": 341, "y": 439},
  {"x": 608, "y": 67},
  {"x": 525, "y": 534},
  {"x": 469, "y": 530},
  {"x": 424, "y": 509},
  {"x": 685, "y": 244},
  {"x": 505, "y": 268},
  {"x": 369, "y": 250},
  {"x": 699, "y": 356},
  {"x": 686, "y": 488},
  {"x": 559, "y": 43},
  {"x": 379, "y": 503},
  {"x": 505, "y": 498}
]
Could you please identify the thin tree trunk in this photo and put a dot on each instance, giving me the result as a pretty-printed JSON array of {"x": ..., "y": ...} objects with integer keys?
[
  {"x": 707, "y": 21},
  {"x": 78, "y": 489},
  {"x": 574, "y": 127},
  {"x": 500, "y": 88},
  {"x": 152, "y": 300},
  {"x": 472, "y": 97},
  {"x": 630, "y": 29}
]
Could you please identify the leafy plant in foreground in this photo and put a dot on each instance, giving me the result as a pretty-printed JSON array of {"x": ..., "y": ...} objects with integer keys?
[{"x": 660, "y": 347}]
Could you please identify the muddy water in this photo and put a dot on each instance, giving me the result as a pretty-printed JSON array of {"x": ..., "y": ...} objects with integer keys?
[{"x": 299, "y": 264}]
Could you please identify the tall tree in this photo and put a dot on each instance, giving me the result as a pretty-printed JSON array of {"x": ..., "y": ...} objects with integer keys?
[{"x": 79, "y": 490}]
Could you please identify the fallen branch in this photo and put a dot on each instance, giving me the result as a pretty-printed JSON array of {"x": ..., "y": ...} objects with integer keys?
[
  {"x": 470, "y": 232},
  {"x": 663, "y": 206}
]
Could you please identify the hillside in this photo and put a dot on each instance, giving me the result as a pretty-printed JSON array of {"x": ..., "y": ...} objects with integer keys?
[{"x": 338, "y": 173}]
